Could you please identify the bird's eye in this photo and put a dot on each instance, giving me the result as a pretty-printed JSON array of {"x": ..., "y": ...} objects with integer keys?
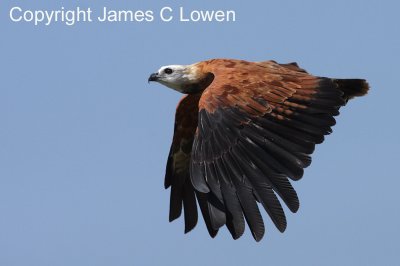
[{"x": 168, "y": 71}]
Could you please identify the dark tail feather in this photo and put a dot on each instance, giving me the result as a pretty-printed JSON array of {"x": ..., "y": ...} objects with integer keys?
[{"x": 352, "y": 87}]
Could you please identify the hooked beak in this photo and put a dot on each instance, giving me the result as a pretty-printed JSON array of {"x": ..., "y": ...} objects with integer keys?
[{"x": 153, "y": 77}]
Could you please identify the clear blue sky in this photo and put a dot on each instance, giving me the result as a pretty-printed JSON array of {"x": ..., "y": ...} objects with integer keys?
[{"x": 84, "y": 139}]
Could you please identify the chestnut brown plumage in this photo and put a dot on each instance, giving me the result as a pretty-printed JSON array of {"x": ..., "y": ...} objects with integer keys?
[{"x": 243, "y": 130}]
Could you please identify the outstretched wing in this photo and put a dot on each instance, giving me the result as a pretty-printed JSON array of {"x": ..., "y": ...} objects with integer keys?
[{"x": 258, "y": 125}]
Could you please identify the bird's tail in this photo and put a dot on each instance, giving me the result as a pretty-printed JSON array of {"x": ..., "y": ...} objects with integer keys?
[{"x": 352, "y": 87}]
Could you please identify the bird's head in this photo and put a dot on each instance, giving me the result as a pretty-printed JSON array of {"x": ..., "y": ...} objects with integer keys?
[{"x": 183, "y": 78}]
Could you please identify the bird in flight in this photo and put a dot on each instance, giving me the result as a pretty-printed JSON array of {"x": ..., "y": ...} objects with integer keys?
[{"x": 242, "y": 130}]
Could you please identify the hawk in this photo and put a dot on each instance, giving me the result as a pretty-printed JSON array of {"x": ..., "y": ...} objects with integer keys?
[{"x": 242, "y": 130}]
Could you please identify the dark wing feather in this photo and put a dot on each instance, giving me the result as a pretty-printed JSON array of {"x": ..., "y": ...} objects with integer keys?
[
  {"x": 205, "y": 210},
  {"x": 258, "y": 125}
]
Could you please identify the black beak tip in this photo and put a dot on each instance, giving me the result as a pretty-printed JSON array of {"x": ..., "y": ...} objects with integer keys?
[{"x": 153, "y": 77}]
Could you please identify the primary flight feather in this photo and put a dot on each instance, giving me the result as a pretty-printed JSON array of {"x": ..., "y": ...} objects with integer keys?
[{"x": 241, "y": 132}]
